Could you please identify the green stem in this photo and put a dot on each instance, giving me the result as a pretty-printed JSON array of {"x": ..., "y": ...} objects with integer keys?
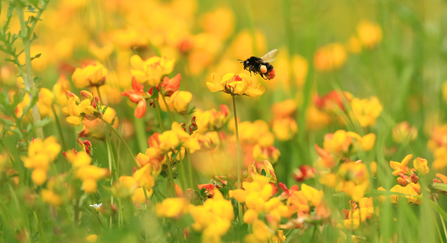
[
  {"x": 170, "y": 177},
  {"x": 59, "y": 128},
  {"x": 191, "y": 177},
  {"x": 141, "y": 134},
  {"x": 238, "y": 158},
  {"x": 25, "y": 35},
  {"x": 171, "y": 117},
  {"x": 122, "y": 140},
  {"x": 160, "y": 121}
]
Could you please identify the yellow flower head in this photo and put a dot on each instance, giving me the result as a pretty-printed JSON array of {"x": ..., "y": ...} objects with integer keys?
[
  {"x": 402, "y": 166},
  {"x": 93, "y": 74},
  {"x": 403, "y": 131},
  {"x": 284, "y": 128},
  {"x": 421, "y": 166},
  {"x": 366, "y": 111},
  {"x": 172, "y": 208},
  {"x": 152, "y": 69},
  {"x": 330, "y": 57},
  {"x": 40, "y": 155},
  {"x": 178, "y": 102},
  {"x": 45, "y": 102},
  {"x": 233, "y": 84},
  {"x": 369, "y": 34},
  {"x": 59, "y": 89}
]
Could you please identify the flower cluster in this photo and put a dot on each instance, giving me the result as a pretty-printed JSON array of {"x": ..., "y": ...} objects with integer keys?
[
  {"x": 284, "y": 125},
  {"x": 91, "y": 75},
  {"x": 40, "y": 155},
  {"x": 235, "y": 84},
  {"x": 83, "y": 169},
  {"x": 76, "y": 109}
]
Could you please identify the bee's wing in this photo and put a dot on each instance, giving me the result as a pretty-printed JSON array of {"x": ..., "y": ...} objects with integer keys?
[{"x": 269, "y": 56}]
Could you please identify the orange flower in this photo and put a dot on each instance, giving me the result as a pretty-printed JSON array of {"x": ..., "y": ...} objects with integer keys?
[
  {"x": 169, "y": 86},
  {"x": 137, "y": 96}
]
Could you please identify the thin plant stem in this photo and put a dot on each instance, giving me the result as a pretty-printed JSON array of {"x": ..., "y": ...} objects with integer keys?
[
  {"x": 122, "y": 140},
  {"x": 171, "y": 117},
  {"x": 238, "y": 158},
  {"x": 25, "y": 34},
  {"x": 99, "y": 94},
  {"x": 191, "y": 177},
  {"x": 171, "y": 178},
  {"x": 59, "y": 128},
  {"x": 160, "y": 121}
]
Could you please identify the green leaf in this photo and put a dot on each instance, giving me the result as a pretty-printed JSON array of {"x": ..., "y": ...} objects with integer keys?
[
  {"x": 437, "y": 208},
  {"x": 192, "y": 110},
  {"x": 104, "y": 110},
  {"x": 36, "y": 56},
  {"x": 41, "y": 123},
  {"x": 263, "y": 173},
  {"x": 154, "y": 93},
  {"x": 440, "y": 186}
]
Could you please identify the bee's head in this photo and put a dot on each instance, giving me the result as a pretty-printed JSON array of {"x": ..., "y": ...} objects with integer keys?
[{"x": 246, "y": 63}]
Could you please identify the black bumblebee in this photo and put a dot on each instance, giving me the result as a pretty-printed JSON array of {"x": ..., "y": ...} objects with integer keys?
[{"x": 261, "y": 65}]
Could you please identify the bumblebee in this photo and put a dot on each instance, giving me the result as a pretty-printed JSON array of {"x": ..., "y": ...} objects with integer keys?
[{"x": 261, "y": 65}]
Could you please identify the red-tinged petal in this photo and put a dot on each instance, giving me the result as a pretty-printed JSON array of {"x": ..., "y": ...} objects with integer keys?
[
  {"x": 141, "y": 109},
  {"x": 283, "y": 187},
  {"x": 137, "y": 86}
]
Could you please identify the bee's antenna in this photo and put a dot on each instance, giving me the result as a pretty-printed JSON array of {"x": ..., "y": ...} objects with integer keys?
[{"x": 240, "y": 60}]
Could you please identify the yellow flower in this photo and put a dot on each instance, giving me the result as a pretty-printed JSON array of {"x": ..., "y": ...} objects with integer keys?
[
  {"x": 101, "y": 52},
  {"x": 219, "y": 22},
  {"x": 232, "y": 84},
  {"x": 151, "y": 70},
  {"x": 91, "y": 238},
  {"x": 421, "y": 166},
  {"x": 211, "y": 120},
  {"x": 366, "y": 142},
  {"x": 40, "y": 155},
  {"x": 139, "y": 195},
  {"x": 284, "y": 128},
  {"x": 261, "y": 231},
  {"x": 45, "y": 102},
  {"x": 330, "y": 57},
  {"x": 440, "y": 158},
  {"x": 366, "y": 111},
  {"x": 90, "y": 174},
  {"x": 59, "y": 89},
  {"x": 403, "y": 131},
  {"x": 354, "y": 45},
  {"x": 91, "y": 75},
  {"x": 285, "y": 108},
  {"x": 172, "y": 208},
  {"x": 402, "y": 166},
  {"x": 369, "y": 34},
  {"x": 408, "y": 190},
  {"x": 250, "y": 216},
  {"x": 178, "y": 102},
  {"x": 50, "y": 197},
  {"x": 316, "y": 119},
  {"x": 338, "y": 142}
]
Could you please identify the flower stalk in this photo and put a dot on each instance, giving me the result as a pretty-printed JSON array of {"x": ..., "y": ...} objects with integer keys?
[{"x": 238, "y": 157}]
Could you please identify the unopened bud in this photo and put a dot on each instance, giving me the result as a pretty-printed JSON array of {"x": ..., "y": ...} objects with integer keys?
[
  {"x": 414, "y": 178},
  {"x": 86, "y": 94}
]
